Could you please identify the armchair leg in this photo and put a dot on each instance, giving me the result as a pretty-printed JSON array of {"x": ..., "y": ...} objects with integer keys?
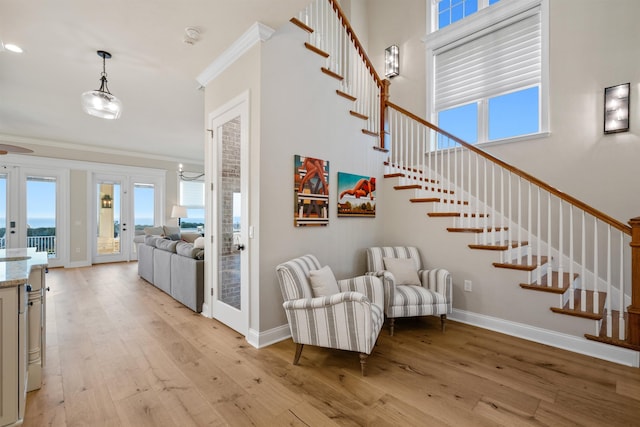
[
  {"x": 363, "y": 363},
  {"x": 392, "y": 322},
  {"x": 296, "y": 358},
  {"x": 443, "y": 321}
]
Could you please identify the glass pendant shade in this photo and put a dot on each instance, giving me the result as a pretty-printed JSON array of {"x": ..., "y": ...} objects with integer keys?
[{"x": 101, "y": 103}]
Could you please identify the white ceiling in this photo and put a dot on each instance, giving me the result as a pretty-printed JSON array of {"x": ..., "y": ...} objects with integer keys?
[{"x": 152, "y": 71}]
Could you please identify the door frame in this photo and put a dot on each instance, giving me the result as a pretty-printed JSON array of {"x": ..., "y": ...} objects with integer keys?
[
  {"x": 123, "y": 181},
  {"x": 19, "y": 209},
  {"x": 236, "y": 319}
]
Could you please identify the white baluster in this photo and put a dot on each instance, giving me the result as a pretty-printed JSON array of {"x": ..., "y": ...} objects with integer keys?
[
  {"x": 560, "y": 248},
  {"x": 572, "y": 285},
  {"x": 583, "y": 257},
  {"x": 596, "y": 296},
  {"x": 549, "y": 245},
  {"x": 609, "y": 267},
  {"x": 539, "y": 250},
  {"x": 621, "y": 327}
]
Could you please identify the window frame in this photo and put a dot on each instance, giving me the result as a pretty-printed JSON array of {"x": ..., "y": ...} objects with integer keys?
[{"x": 486, "y": 20}]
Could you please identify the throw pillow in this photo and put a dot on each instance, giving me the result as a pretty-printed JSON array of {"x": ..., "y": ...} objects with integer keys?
[
  {"x": 323, "y": 282},
  {"x": 403, "y": 270},
  {"x": 154, "y": 231},
  {"x": 169, "y": 230},
  {"x": 199, "y": 243}
]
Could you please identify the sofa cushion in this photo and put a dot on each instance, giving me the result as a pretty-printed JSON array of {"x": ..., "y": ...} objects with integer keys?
[
  {"x": 189, "y": 250},
  {"x": 166, "y": 245},
  {"x": 199, "y": 243},
  {"x": 190, "y": 236},
  {"x": 151, "y": 240},
  {"x": 154, "y": 231}
]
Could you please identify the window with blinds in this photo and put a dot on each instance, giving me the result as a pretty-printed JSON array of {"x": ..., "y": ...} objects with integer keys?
[
  {"x": 498, "y": 62},
  {"x": 192, "y": 194},
  {"x": 488, "y": 73}
]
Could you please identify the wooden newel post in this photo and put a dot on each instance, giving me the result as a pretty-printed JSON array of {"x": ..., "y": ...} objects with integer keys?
[
  {"x": 633, "y": 322},
  {"x": 384, "y": 98}
]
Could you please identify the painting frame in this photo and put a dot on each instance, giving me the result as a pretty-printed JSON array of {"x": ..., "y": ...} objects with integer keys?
[
  {"x": 311, "y": 191},
  {"x": 356, "y": 195}
]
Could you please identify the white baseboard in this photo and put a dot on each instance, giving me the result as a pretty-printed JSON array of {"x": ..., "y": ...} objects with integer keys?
[
  {"x": 78, "y": 264},
  {"x": 580, "y": 345},
  {"x": 272, "y": 336}
]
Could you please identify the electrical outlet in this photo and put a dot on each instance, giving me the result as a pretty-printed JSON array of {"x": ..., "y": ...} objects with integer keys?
[{"x": 467, "y": 285}]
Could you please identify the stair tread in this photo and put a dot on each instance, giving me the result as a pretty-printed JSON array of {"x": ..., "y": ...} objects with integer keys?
[
  {"x": 473, "y": 229},
  {"x": 314, "y": 49},
  {"x": 499, "y": 246},
  {"x": 408, "y": 187},
  {"x": 615, "y": 328},
  {"x": 394, "y": 175},
  {"x": 425, "y": 200},
  {"x": 589, "y": 313},
  {"x": 301, "y": 24},
  {"x": 358, "y": 115},
  {"x": 523, "y": 265},
  {"x": 331, "y": 73},
  {"x": 554, "y": 288},
  {"x": 346, "y": 95}
]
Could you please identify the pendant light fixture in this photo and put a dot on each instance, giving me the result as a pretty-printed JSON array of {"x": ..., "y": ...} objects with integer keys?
[{"x": 101, "y": 103}]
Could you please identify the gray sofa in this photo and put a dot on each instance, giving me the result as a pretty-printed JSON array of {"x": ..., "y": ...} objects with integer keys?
[{"x": 175, "y": 267}]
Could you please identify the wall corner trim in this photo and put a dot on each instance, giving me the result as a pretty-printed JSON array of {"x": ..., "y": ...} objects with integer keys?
[
  {"x": 262, "y": 339},
  {"x": 257, "y": 32}
]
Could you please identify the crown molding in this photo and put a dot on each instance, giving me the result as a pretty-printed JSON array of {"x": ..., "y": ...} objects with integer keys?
[
  {"x": 258, "y": 32},
  {"x": 19, "y": 140}
]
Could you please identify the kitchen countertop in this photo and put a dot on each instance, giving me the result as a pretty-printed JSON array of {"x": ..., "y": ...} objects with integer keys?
[{"x": 16, "y": 264}]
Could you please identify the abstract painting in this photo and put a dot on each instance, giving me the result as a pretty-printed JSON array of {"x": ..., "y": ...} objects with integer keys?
[
  {"x": 357, "y": 195},
  {"x": 311, "y": 191}
]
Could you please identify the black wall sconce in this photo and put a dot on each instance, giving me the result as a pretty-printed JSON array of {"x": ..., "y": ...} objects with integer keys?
[
  {"x": 616, "y": 108},
  {"x": 106, "y": 201},
  {"x": 392, "y": 61}
]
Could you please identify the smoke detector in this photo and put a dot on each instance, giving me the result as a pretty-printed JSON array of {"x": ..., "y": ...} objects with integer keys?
[{"x": 191, "y": 35}]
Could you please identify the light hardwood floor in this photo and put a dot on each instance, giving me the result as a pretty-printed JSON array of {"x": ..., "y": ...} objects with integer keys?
[{"x": 122, "y": 353}]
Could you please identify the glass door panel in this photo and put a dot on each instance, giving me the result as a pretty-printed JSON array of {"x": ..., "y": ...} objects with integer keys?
[
  {"x": 3, "y": 211},
  {"x": 143, "y": 213},
  {"x": 41, "y": 214},
  {"x": 108, "y": 230}
]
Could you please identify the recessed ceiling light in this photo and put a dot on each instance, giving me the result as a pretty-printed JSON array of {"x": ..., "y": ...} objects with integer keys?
[{"x": 13, "y": 48}]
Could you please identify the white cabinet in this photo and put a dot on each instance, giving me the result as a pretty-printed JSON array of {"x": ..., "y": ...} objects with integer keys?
[
  {"x": 37, "y": 324},
  {"x": 13, "y": 351}
]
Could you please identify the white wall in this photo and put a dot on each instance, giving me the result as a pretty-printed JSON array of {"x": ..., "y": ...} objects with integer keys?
[
  {"x": 301, "y": 114},
  {"x": 401, "y": 22}
]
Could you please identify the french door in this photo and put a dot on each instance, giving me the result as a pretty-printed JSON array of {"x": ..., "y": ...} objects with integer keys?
[
  {"x": 112, "y": 230},
  {"x": 31, "y": 211},
  {"x": 123, "y": 205},
  {"x": 228, "y": 264}
]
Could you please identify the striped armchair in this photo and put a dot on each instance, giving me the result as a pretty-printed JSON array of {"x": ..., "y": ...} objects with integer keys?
[
  {"x": 431, "y": 295},
  {"x": 349, "y": 320}
]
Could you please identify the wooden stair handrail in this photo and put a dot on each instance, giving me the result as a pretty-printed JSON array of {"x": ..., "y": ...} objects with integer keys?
[
  {"x": 567, "y": 198},
  {"x": 356, "y": 42}
]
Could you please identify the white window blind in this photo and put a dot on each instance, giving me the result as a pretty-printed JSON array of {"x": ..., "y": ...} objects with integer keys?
[
  {"x": 489, "y": 63},
  {"x": 192, "y": 194}
]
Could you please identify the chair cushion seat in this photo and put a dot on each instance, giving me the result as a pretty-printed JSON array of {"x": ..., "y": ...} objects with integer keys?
[{"x": 412, "y": 300}]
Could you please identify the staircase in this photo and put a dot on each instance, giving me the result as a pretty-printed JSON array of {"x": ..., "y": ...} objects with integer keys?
[{"x": 578, "y": 256}]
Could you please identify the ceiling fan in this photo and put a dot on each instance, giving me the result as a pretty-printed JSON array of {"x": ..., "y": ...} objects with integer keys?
[{"x": 14, "y": 149}]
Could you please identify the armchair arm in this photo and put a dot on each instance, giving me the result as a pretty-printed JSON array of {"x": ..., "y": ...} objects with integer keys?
[
  {"x": 369, "y": 285},
  {"x": 345, "y": 321},
  {"x": 438, "y": 280}
]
